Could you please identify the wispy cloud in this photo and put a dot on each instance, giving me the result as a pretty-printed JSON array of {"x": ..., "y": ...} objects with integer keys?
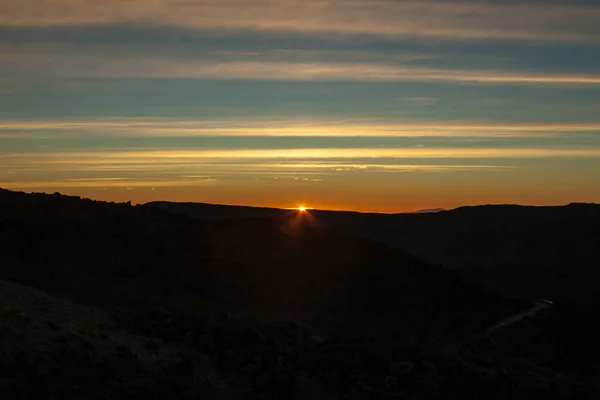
[
  {"x": 153, "y": 67},
  {"x": 493, "y": 102},
  {"x": 438, "y": 19},
  {"x": 293, "y": 126},
  {"x": 91, "y": 50},
  {"x": 154, "y": 155},
  {"x": 95, "y": 179},
  {"x": 104, "y": 183},
  {"x": 349, "y": 166},
  {"x": 170, "y": 172},
  {"x": 422, "y": 101},
  {"x": 92, "y": 60},
  {"x": 185, "y": 168}
]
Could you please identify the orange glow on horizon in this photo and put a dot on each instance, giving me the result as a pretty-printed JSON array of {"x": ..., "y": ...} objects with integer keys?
[
  {"x": 302, "y": 208},
  {"x": 375, "y": 202}
]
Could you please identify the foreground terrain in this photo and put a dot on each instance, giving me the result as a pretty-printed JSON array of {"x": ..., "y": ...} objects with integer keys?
[{"x": 103, "y": 300}]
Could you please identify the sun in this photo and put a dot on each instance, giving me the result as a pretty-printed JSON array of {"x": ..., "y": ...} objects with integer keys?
[{"x": 302, "y": 209}]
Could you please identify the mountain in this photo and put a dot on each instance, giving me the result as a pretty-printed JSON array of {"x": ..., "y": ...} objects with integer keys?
[
  {"x": 508, "y": 244},
  {"x": 105, "y": 254},
  {"x": 428, "y": 210},
  {"x": 487, "y": 235},
  {"x": 103, "y": 300}
]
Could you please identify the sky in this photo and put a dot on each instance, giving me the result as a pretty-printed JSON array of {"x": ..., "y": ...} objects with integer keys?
[{"x": 368, "y": 105}]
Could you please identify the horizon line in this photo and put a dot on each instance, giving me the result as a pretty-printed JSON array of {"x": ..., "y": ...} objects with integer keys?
[{"x": 432, "y": 210}]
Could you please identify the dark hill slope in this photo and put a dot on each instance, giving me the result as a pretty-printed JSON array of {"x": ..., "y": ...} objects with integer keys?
[
  {"x": 107, "y": 254},
  {"x": 494, "y": 234},
  {"x": 507, "y": 244}
]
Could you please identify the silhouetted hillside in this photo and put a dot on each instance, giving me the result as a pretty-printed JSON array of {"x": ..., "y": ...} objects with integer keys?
[
  {"x": 107, "y": 253},
  {"x": 506, "y": 243},
  {"x": 489, "y": 235},
  {"x": 111, "y": 300},
  {"x": 428, "y": 210}
]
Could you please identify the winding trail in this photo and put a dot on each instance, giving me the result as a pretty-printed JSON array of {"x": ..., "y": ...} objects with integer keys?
[{"x": 451, "y": 349}]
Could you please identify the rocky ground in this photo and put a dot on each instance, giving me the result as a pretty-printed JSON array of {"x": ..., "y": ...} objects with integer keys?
[{"x": 53, "y": 349}]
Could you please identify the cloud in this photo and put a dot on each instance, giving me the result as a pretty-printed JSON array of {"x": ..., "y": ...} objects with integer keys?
[
  {"x": 92, "y": 60},
  {"x": 216, "y": 51},
  {"x": 437, "y": 19},
  {"x": 74, "y": 65},
  {"x": 350, "y": 166},
  {"x": 104, "y": 183},
  {"x": 95, "y": 179},
  {"x": 292, "y": 126},
  {"x": 422, "y": 101},
  {"x": 157, "y": 168},
  {"x": 223, "y": 168},
  {"x": 493, "y": 102},
  {"x": 142, "y": 175},
  {"x": 328, "y": 72},
  {"x": 180, "y": 155}
]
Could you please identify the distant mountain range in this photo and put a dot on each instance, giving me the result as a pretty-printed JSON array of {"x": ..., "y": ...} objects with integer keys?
[
  {"x": 428, "y": 210},
  {"x": 519, "y": 244}
]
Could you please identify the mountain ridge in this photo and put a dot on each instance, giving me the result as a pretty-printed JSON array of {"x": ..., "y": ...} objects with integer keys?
[
  {"x": 505, "y": 243},
  {"x": 170, "y": 259}
]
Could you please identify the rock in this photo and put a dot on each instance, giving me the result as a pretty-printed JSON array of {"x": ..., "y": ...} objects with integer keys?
[
  {"x": 317, "y": 340},
  {"x": 399, "y": 368}
]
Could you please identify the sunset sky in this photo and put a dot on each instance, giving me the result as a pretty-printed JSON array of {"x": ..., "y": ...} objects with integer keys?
[{"x": 362, "y": 105}]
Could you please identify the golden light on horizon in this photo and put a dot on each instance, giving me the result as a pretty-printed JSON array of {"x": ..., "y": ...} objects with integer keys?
[{"x": 302, "y": 208}]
